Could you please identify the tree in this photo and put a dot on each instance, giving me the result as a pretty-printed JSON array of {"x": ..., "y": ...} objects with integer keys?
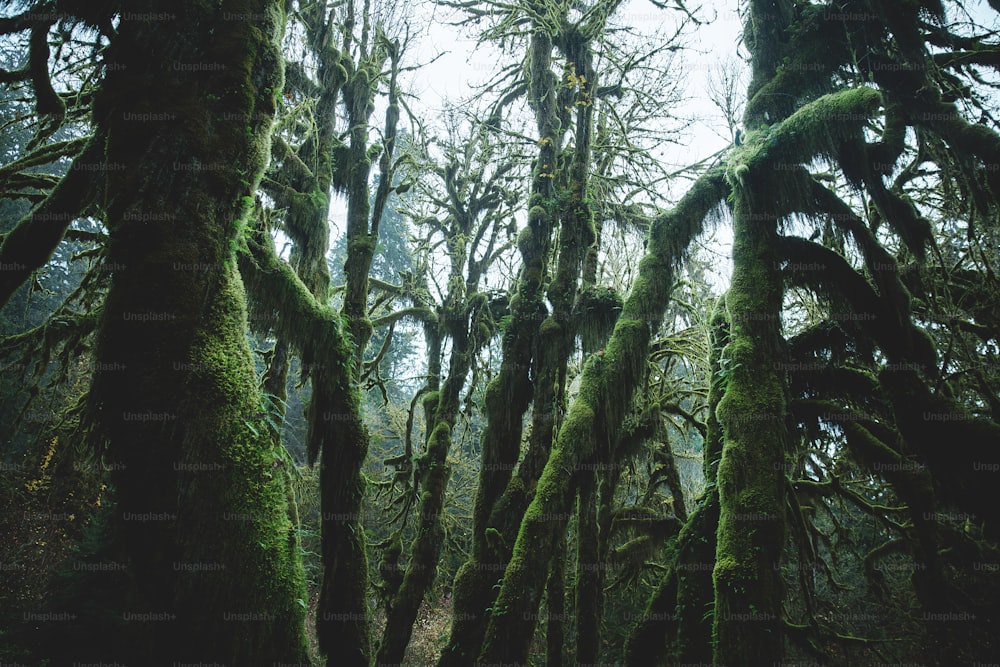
[
  {"x": 471, "y": 222},
  {"x": 314, "y": 159},
  {"x": 174, "y": 397},
  {"x": 795, "y": 120},
  {"x": 535, "y": 374}
]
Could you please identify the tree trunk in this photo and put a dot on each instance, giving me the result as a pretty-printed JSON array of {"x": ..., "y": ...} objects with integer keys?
[
  {"x": 588, "y": 580},
  {"x": 676, "y": 628},
  {"x": 433, "y": 482},
  {"x": 555, "y": 602},
  {"x": 748, "y": 590},
  {"x": 697, "y": 542},
  {"x": 201, "y": 515}
]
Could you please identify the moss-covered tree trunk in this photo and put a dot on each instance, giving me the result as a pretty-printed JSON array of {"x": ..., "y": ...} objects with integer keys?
[
  {"x": 748, "y": 589},
  {"x": 335, "y": 431},
  {"x": 473, "y": 217},
  {"x": 201, "y": 516},
  {"x": 588, "y": 580},
  {"x": 343, "y": 618},
  {"x": 356, "y": 162},
  {"x": 555, "y": 602},
  {"x": 301, "y": 185},
  {"x": 426, "y": 549},
  {"x": 695, "y": 588},
  {"x": 748, "y": 619},
  {"x": 501, "y": 500},
  {"x": 432, "y": 481}
]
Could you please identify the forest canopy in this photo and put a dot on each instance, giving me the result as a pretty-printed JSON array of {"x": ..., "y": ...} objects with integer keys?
[{"x": 615, "y": 345}]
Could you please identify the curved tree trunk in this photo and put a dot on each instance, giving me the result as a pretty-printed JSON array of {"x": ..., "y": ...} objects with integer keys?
[{"x": 335, "y": 430}]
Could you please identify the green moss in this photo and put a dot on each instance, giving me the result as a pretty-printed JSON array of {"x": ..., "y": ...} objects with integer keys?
[
  {"x": 752, "y": 416},
  {"x": 817, "y": 128},
  {"x": 596, "y": 311},
  {"x": 525, "y": 242},
  {"x": 430, "y": 401},
  {"x": 670, "y": 233},
  {"x": 830, "y": 127},
  {"x": 549, "y": 327}
]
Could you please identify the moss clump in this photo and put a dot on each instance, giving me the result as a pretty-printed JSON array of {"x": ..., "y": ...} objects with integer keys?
[
  {"x": 549, "y": 327},
  {"x": 430, "y": 402},
  {"x": 537, "y": 215},
  {"x": 596, "y": 310},
  {"x": 525, "y": 244}
]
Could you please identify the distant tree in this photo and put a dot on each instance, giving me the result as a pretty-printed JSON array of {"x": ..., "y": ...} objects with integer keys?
[{"x": 467, "y": 214}]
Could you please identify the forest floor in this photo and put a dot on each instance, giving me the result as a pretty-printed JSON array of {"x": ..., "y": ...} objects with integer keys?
[{"x": 43, "y": 515}]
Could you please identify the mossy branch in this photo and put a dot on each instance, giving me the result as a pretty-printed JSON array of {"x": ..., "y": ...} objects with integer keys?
[
  {"x": 48, "y": 104},
  {"x": 31, "y": 243},
  {"x": 818, "y": 129},
  {"x": 313, "y": 329},
  {"x": 419, "y": 313},
  {"x": 44, "y": 155}
]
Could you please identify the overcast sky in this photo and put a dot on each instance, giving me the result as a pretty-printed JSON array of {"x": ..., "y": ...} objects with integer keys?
[{"x": 456, "y": 65}]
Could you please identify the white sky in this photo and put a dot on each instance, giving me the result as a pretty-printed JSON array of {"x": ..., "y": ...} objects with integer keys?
[{"x": 457, "y": 65}]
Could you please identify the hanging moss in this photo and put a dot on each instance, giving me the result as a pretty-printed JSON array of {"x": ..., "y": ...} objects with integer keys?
[
  {"x": 596, "y": 311},
  {"x": 963, "y": 471},
  {"x": 670, "y": 233},
  {"x": 823, "y": 128}
]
